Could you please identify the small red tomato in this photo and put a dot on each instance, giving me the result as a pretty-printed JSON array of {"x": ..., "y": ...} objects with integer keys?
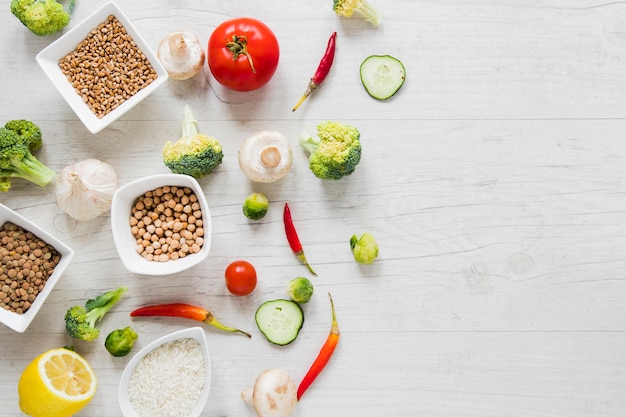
[
  {"x": 243, "y": 54},
  {"x": 240, "y": 278}
]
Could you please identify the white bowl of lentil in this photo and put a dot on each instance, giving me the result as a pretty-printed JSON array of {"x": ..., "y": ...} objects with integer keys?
[
  {"x": 161, "y": 224},
  {"x": 170, "y": 376},
  {"x": 31, "y": 263},
  {"x": 102, "y": 67}
]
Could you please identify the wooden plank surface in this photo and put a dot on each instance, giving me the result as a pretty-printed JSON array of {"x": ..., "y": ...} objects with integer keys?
[{"x": 494, "y": 183}]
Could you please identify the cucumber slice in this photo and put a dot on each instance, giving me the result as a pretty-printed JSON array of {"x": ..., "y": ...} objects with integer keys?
[
  {"x": 280, "y": 321},
  {"x": 382, "y": 76}
]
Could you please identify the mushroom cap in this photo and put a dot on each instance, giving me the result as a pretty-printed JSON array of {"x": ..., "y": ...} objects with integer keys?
[
  {"x": 274, "y": 394},
  {"x": 181, "y": 54},
  {"x": 265, "y": 156}
]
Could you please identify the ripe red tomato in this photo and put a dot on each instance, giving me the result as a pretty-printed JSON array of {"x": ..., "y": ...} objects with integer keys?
[
  {"x": 243, "y": 54},
  {"x": 240, "y": 278}
]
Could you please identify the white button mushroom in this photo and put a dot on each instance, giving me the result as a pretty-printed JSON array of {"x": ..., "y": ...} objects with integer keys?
[
  {"x": 181, "y": 54},
  {"x": 265, "y": 156},
  {"x": 274, "y": 394}
]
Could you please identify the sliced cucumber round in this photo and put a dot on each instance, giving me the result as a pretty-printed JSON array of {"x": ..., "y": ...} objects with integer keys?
[
  {"x": 280, "y": 321},
  {"x": 382, "y": 76}
]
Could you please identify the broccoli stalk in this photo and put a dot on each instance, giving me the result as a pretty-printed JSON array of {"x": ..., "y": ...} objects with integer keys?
[
  {"x": 80, "y": 322},
  {"x": 17, "y": 139},
  {"x": 362, "y": 8},
  {"x": 194, "y": 153},
  {"x": 43, "y": 17},
  {"x": 335, "y": 151}
]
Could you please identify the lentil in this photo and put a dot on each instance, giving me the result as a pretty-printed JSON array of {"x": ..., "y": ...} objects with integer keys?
[
  {"x": 107, "y": 68},
  {"x": 26, "y": 263},
  {"x": 163, "y": 234}
]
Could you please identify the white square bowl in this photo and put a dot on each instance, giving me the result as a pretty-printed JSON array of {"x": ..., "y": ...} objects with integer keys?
[
  {"x": 121, "y": 206},
  {"x": 20, "y": 322},
  {"x": 196, "y": 333},
  {"x": 48, "y": 60}
]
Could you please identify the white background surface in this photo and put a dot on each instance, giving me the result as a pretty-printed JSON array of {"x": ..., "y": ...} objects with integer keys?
[{"x": 493, "y": 181}]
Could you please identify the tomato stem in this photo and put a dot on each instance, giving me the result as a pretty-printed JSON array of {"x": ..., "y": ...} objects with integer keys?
[{"x": 239, "y": 46}]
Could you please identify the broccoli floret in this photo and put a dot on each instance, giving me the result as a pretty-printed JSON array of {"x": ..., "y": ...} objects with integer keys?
[
  {"x": 43, "y": 17},
  {"x": 300, "y": 290},
  {"x": 120, "y": 342},
  {"x": 335, "y": 152},
  {"x": 364, "y": 248},
  {"x": 194, "y": 154},
  {"x": 17, "y": 139},
  {"x": 255, "y": 206},
  {"x": 363, "y": 8},
  {"x": 80, "y": 322}
]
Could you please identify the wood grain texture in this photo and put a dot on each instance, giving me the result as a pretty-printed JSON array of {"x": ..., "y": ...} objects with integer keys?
[{"x": 493, "y": 182}]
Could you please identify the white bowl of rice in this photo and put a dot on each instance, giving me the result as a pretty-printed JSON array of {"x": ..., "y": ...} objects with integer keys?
[{"x": 169, "y": 377}]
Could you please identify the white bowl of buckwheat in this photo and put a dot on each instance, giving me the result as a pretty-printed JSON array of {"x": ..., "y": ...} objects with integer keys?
[
  {"x": 161, "y": 224},
  {"x": 102, "y": 67}
]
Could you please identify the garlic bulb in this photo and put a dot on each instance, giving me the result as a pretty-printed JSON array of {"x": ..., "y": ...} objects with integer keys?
[{"x": 85, "y": 189}]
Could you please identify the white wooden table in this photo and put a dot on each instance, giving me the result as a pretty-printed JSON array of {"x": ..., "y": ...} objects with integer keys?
[{"x": 494, "y": 183}]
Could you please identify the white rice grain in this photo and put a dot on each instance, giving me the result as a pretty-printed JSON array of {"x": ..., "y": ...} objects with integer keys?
[{"x": 168, "y": 381}]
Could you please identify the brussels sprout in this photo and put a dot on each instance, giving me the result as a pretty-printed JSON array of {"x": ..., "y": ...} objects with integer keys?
[
  {"x": 119, "y": 342},
  {"x": 300, "y": 290},
  {"x": 364, "y": 248},
  {"x": 255, "y": 206}
]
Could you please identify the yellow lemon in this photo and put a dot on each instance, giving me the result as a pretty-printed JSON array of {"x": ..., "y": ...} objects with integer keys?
[{"x": 57, "y": 383}]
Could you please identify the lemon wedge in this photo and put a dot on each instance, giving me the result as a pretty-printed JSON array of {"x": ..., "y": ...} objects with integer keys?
[{"x": 57, "y": 383}]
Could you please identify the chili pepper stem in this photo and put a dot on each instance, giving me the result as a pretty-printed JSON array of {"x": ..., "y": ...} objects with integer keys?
[
  {"x": 302, "y": 258},
  {"x": 309, "y": 89},
  {"x": 211, "y": 320}
]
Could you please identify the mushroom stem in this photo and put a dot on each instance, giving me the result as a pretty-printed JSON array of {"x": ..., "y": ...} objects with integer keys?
[
  {"x": 270, "y": 156},
  {"x": 178, "y": 47}
]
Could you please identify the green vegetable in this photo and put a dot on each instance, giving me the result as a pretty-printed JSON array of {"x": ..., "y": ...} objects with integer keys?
[
  {"x": 17, "y": 139},
  {"x": 120, "y": 342},
  {"x": 280, "y": 321},
  {"x": 364, "y": 248},
  {"x": 382, "y": 76},
  {"x": 335, "y": 151},
  {"x": 362, "y": 8},
  {"x": 255, "y": 206},
  {"x": 80, "y": 322},
  {"x": 300, "y": 290},
  {"x": 43, "y": 17},
  {"x": 194, "y": 153}
]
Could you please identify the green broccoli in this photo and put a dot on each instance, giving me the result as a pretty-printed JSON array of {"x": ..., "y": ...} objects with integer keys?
[
  {"x": 255, "y": 206},
  {"x": 300, "y": 290},
  {"x": 80, "y": 322},
  {"x": 364, "y": 248},
  {"x": 43, "y": 17},
  {"x": 363, "y": 8},
  {"x": 194, "y": 154},
  {"x": 335, "y": 152},
  {"x": 120, "y": 342},
  {"x": 17, "y": 139}
]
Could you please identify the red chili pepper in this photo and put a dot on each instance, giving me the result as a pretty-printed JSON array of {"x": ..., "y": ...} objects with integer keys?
[
  {"x": 185, "y": 311},
  {"x": 324, "y": 356},
  {"x": 322, "y": 70},
  {"x": 293, "y": 239}
]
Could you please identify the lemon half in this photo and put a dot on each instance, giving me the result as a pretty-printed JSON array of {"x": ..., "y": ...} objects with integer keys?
[{"x": 57, "y": 383}]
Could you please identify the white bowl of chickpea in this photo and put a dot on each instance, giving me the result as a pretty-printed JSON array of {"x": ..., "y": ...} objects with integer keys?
[
  {"x": 161, "y": 224},
  {"x": 31, "y": 263},
  {"x": 102, "y": 67}
]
